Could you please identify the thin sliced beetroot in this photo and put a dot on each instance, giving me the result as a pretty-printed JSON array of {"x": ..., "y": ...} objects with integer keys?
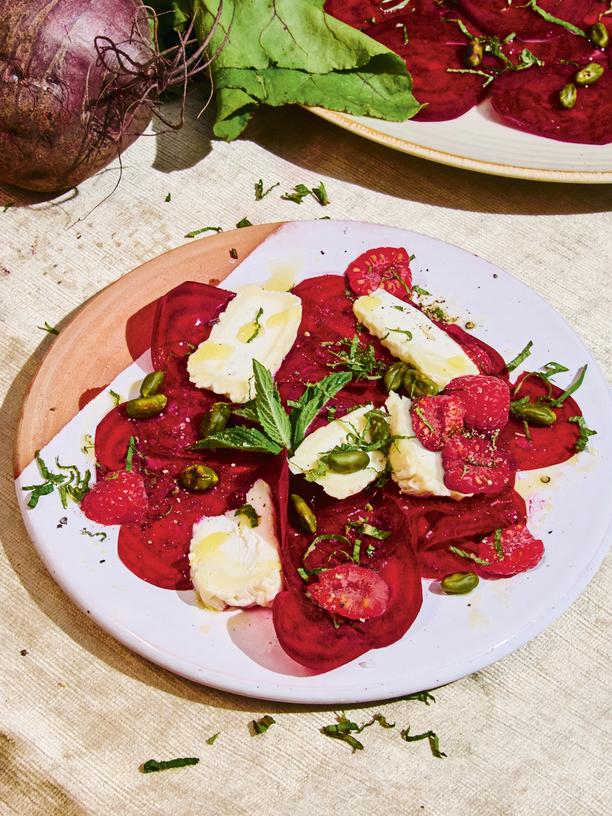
[
  {"x": 158, "y": 550},
  {"x": 305, "y": 631},
  {"x": 529, "y": 100},
  {"x": 488, "y": 359},
  {"x": 433, "y": 46},
  {"x": 521, "y": 552},
  {"x": 327, "y": 316},
  {"x": 440, "y": 561},
  {"x": 486, "y": 401},
  {"x": 360, "y": 13},
  {"x": 183, "y": 320},
  {"x": 443, "y": 521},
  {"x": 499, "y": 18},
  {"x": 548, "y": 446}
]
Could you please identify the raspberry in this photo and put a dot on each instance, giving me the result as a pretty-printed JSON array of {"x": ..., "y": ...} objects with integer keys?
[
  {"x": 436, "y": 419},
  {"x": 521, "y": 552},
  {"x": 381, "y": 268},
  {"x": 473, "y": 465},
  {"x": 486, "y": 401},
  {"x": 119, "y": 498}
]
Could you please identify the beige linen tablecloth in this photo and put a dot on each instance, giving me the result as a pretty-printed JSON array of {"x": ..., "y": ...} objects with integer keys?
[{"x": 80, "y": 713}]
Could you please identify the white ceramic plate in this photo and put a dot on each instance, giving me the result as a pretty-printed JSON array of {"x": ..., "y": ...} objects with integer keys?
[
  {"x": 452, "y": 636},
  {"x": 479, "y": 141}
]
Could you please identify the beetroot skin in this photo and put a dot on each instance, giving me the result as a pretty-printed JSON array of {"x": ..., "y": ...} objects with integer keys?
[{"x": 63, "y": 114}]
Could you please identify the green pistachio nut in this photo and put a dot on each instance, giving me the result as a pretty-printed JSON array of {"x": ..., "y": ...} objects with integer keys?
[
  {"x": 305, "y": 518},
  {"x": 417, "y": 384},
  {"x": 248, "y": 512},
  {"x": 599, "y": 36},
  {"x": 534, "y": 413},
  {"x": 589, "y": 74},
  {"x": 198, "y": 477},
  {"x": 347, "y": 461},
  {"x": 152, "y": 383},
  {"x": 459, "y": 583},
  {"x": 474, "y": 53},
  {"x": 394, "y": 376},
  {"x": 145, "y": 407},
  {"x": 215, "y": 419},
  {"x": 378, "y": 427},
  {"x": 568, "y": 96}
]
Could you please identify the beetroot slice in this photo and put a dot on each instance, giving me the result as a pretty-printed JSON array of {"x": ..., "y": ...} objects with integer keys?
[
  {"x": 432, "y": 47},
  {"x": 360, "y": 13},
  {"x": 529, "y": 100},
  {"x": 498, "y": 18},
  {"x": 158, "y": 550},
  {"x": 327, "y": 316},
  {"x": 488, "y": 360},
  {"x": 182, "y": 321},
  {"x": 548, "y": 446},
  {"x": 305, "y": 631}
]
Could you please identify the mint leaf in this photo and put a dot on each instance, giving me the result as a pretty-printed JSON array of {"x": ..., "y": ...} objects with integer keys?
[
  {"x": 550, "y": 18},
  {"x": 152, "y": 765},
  {"x": 270, "y": 411},
  {"x": 261, "y": 726},
  {"x": 520, "y": 357},
  {"x": 431, "y": 736},
  {"x": 313, "y": 399},
  {"x": 578, "y": 380},
  {"x": 472, "y": 556},
  {"x": 239, "y": 438},
  {"x": 585, "y": 432}
]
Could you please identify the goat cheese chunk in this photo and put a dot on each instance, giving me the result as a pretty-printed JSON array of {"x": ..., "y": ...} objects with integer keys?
[
  {"x": 257, "y": 324},
  {"x": 412, "y": 337},
  {"x": 308, "y": 455},
  {"x": 416, "y": 470},
  {"x": 234, "y": 564}
]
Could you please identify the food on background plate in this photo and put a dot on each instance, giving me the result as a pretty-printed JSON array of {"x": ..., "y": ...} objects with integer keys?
[
  {"x": 340, "y": 476},
  {"x": 544, "y": 65}
]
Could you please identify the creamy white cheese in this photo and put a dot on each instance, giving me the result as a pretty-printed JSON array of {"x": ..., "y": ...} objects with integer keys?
[
  {"x": 234, "y": 564},
  {"x": 416, "y": 470},
  {"x": 412, "y": 337},
  {"x": 321, "y": 441},
  {"x": 257, "y": 324}
]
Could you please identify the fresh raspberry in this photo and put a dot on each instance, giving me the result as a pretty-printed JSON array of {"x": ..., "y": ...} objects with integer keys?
[
  {"x": 354, "y": 592},
  {"x": 521, "y": 552},
  {"x": 473, "y": 465},
  {"x": 381, "y": 268},
  {"x": 486, "y": 401},
  {"x": 436, "y": 419},
  {"x": 119, "y": 498}
]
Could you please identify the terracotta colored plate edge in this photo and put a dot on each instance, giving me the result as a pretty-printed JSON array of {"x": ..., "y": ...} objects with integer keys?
[
  {"x": 65, "y": 373},
  {"x": 462, "y": 162}
]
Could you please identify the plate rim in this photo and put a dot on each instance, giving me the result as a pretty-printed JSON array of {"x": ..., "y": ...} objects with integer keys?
[
  {"x": 289, "y": 693},
  {"x": 350, "y": 123}
]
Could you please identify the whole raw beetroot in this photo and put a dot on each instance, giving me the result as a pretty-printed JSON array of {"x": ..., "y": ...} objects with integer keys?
[{"x": 75, "y": 87}]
